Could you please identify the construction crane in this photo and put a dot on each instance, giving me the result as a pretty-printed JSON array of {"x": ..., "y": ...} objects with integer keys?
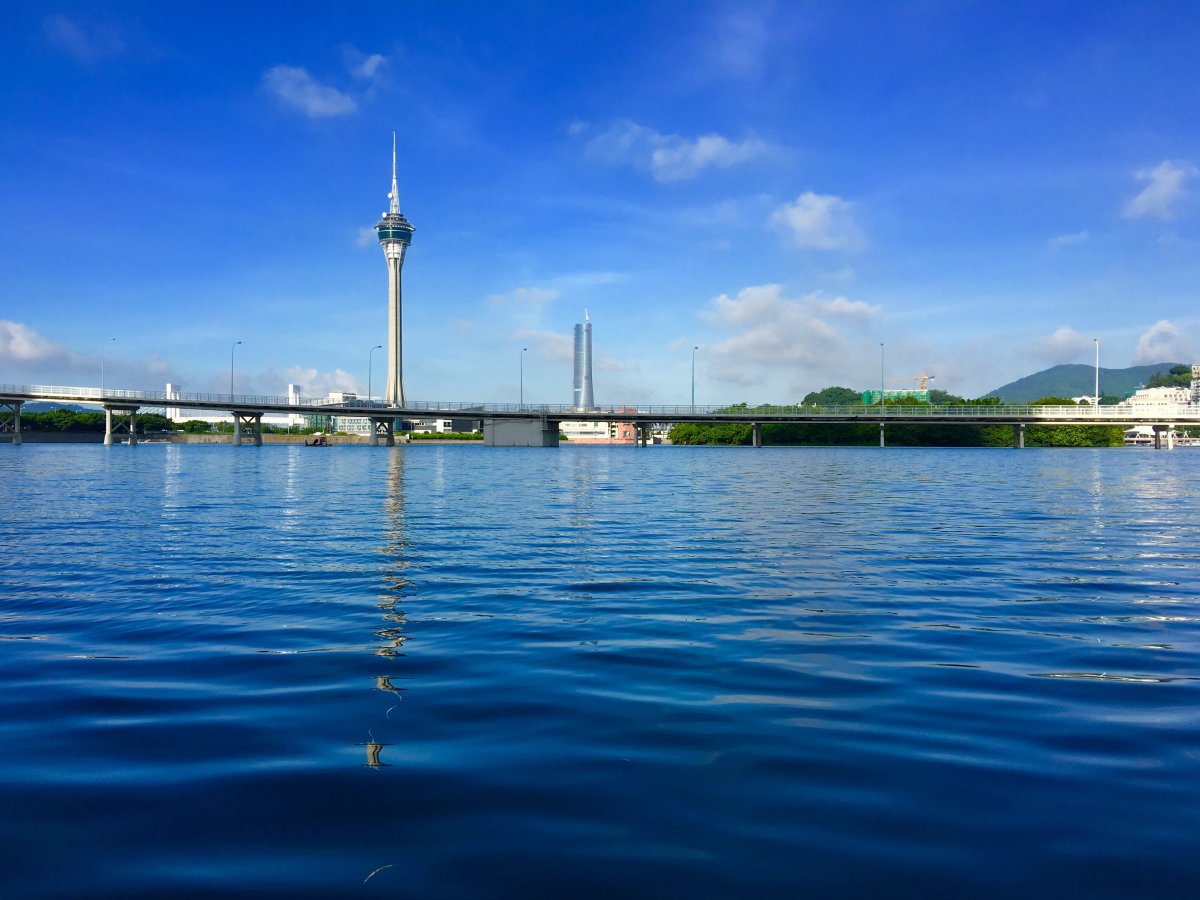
[{"x": 922, "y": 378}]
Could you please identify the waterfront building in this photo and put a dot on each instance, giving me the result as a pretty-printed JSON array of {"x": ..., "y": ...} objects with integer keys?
[{"x": 395, "y": 234}]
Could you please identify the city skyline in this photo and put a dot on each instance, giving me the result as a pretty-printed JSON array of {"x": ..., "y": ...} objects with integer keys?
[{"x": 986, "y": 191}]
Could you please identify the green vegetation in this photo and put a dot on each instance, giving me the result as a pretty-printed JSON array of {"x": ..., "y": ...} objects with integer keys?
[
  {"x": 445, "y": 436},
  {"x": 1176, "y": 376},
  {"x": 899, "y": 434},
  {"x": 66, "y": 420}
]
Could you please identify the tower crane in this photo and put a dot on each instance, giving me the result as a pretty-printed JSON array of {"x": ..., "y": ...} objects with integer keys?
[{"x": 923, "y": 380}]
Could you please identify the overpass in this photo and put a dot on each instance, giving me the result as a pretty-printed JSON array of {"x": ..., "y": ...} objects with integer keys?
[{"x": 513, "y": 424}]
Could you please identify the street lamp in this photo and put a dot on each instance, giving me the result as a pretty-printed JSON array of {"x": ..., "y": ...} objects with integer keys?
[
  {"x": 103, "y": 348},
  {"x": 882, "y": 408},
  {"x": 231, "y": 349},
  {"x": 522, "y": 400},
  {"x": 694, "y": 349},
  {"x": 369, "y": 361},
  {"x": 1096, "y": 341}
]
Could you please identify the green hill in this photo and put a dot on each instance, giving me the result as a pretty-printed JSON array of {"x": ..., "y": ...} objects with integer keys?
[{"x": 1074, "y": 380}]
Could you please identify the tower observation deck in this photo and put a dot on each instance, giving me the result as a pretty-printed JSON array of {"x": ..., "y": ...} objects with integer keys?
[{"x": 395, "y": 234}]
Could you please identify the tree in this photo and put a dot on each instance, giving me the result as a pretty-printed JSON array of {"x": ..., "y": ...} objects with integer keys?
[
  {"x": 196, "y": 426},
  {"x": 833, "y": 396}
]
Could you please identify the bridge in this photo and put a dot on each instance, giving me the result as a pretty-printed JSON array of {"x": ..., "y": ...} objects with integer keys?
[{"x": 513, "y": 424}]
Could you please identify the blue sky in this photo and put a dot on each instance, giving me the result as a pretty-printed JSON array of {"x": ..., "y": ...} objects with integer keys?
[{"x": 983, "y": 188}]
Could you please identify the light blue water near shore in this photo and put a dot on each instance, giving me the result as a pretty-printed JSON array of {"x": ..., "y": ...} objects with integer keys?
[{"x": 456, "y": 671}]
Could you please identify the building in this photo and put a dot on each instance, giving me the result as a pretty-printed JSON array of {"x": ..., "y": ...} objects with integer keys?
[
  {"x": 395, "y": 234},
  {"x": 582, "y": 397},
  {"x": 599, "y": 432}
]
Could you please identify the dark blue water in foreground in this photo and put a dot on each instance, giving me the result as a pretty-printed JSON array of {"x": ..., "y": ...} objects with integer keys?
[{"x": 467, "y": 672}]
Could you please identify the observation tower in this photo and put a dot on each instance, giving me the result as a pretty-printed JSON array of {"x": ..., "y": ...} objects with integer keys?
[{"x": 395, "y": 234}]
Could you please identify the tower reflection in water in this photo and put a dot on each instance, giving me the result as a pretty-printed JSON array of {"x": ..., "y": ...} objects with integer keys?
[{"x": 396, "y": 584}]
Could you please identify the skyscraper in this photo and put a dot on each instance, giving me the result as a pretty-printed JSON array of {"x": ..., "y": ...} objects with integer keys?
[
  {"x": 395, "y": 234},
  {"x": 583, "y": 398}
]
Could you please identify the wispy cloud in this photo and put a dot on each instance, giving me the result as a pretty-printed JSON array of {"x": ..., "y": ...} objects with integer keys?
[
  {"x": 772, "y": 331},
  {"x": 297, "y": 91},
  {"x": 525, "y": 297},
  {"x": 549, "y": 345},
  {"x": 20, "y": 344},
  {"x": 819, "y": 221},
  {"x": 366, "y": 68},
  {"x": 1064, "y": 345},
  {"x": 86, "y": 42},
  {"x": 668, "y": 157},
  {"x": 1069, "y": 239},
  {"x": 742, "y": 41},
  {"x": 1163, "y": 342},
  {"x": 1165, "y": 187}
]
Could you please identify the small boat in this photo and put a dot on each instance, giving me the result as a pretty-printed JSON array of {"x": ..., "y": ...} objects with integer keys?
[{"x": 319, "y": 441}]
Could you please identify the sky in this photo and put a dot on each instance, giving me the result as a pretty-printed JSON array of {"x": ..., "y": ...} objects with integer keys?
[{"x": 785, "y": 195}]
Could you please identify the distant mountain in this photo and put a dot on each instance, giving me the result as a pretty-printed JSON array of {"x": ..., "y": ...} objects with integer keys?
[
  {"x": 1074, "y": 380},
  {"x": 48, "y": 406}
]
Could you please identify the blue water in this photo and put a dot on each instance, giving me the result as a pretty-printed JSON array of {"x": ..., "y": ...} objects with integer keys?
[{"x": 455, "y": 671}]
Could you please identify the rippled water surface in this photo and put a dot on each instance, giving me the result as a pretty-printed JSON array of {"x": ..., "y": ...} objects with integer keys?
[{"x": 457, "y": 671}]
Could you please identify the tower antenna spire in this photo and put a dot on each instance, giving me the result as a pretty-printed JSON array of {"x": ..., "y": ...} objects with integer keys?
[{"x": 394, "y": 196}]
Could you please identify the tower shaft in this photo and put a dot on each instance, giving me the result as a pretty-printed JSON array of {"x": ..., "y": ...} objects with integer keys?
[
  {"x": 582, "y": 395},
  {"x": 393, "y": 394}
]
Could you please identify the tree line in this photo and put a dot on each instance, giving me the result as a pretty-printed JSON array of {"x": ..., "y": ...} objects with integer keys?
[{"x": 901, "y": 434}]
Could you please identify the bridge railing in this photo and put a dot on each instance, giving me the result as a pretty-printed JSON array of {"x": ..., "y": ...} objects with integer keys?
[{"x": 664, "y": 413}]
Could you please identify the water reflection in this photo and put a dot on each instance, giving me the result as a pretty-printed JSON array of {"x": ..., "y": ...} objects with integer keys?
[{"x": 396, "y": 564}]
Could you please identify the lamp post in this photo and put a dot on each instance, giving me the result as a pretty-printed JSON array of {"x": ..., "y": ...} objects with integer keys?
[
  {"x": 369, "y": 361},
  {"x": 231, "y": 349},
  {"x": 103, "y": 349},
  {"x": 882, "y": 408},
  {"x": 521, "y": 403},
  {"x": 1096, "y": 341},
  {"x": 694, "y": 349}
]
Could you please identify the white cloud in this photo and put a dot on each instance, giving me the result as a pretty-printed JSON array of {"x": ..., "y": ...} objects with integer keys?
[
  {"x": 668, "y": 157},
  {"x": 300, "y": 92},
  {"x": 820, "y": 221},
  {"x": 1067, "y": 240},
  {"x": 1163, "y": 191},
  {"x": 1063, "y": 345},
  {"x": 366, "y": 236},
  {"x": 772, "y": 332},
  {"x": 1163, "y": 342},
  {"x": 312, "y": 382},
  {"x": 20, "y": 344},
  {"x": 87, "y": 43}
]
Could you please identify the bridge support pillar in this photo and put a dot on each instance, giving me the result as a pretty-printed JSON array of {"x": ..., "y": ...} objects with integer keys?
[
  {"x": 382, "y": 428},
  {"x": 113, "y": 424},
  {"x": 539, "y": 432},
  {"x": 756, "y": 434},
  {"x": 250, "y": 424},
  {"x": 1158, "y": 437},
  {"x": 10, "y": 419},
  {"x": 881, "y": 442},
  {"x": 1018, "y": 437}
]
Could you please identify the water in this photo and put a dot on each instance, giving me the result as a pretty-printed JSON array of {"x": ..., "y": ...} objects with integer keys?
[{"x": 456, "y": 671}]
